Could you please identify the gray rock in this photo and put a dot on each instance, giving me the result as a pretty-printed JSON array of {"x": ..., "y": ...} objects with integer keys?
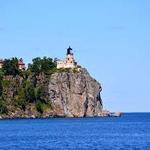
[
  {"x": 75, "y": 94},
  {"x": 70, "y": 93}
]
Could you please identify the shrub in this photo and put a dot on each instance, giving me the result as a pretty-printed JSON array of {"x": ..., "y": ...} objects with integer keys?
[
  {"x": 1, "y": 87},
  {"x": 63, "y": 70},
  {"x": 45, "y": 65},
  {"x": 1, "y": 73},
  {"x": 3, "y": 107},
  {"x": 21, "y": 98},
  {"x": 10, "y": 67},
  {"x": 75, "y": 70},
  {"x": 5, "y": 83},
  {"x": 39, "y": 92},
  {"x": 41, "y": 106},
  {"x": 29, "y": 91}
]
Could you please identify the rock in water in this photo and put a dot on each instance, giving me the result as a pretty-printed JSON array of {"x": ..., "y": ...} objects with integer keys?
[{"x": 75, "y": 94}]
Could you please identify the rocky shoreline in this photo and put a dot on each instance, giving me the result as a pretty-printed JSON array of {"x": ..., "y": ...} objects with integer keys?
[
  {"x": 102, "y": 115},
  {"x": 66, "y": 93},
  {"x": 112, "y": 114}
]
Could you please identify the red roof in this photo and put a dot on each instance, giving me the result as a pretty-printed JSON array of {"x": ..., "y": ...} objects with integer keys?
[
  {"x": 20, "y": 63},
  {"x": 1, "y": 61}
]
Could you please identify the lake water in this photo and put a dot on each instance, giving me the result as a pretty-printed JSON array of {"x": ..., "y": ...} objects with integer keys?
[{"x": 130, "y": 132}]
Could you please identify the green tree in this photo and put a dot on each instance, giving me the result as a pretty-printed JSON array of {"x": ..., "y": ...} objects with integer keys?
[
  {"x": 39, "y": 93},
  {"x": 21, "y": 98},
  {"x": 42, "y": 106},
  {"x": 1, "y": 73},
  {"x": 1, "y": 88},
  {"x": 29, "y": 91},
  {"x": 3, "y": 107},
  {"x": 10, "y": 67},
  {"x": 1, "y": 78},
  {"x": 45, "y": 65}
]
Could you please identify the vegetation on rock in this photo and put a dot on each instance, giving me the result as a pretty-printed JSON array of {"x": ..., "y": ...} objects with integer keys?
[
  {"x": 10, "y": 67},
  {"x": 3, "y": 107},
  {"x": 45, "y": 65},
  {"x": 19, "y": 88},
  {"x": 43, "y": 90}
]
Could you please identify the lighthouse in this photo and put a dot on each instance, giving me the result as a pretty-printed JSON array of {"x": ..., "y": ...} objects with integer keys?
[{"x": 69, "y": 61}]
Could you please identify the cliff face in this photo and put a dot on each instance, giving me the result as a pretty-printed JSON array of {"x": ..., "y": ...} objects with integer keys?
[
  {"x": 69, "y": 93},
  {"x": 75, "y": 94}
]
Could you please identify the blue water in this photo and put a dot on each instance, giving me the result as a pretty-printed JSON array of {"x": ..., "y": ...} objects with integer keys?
[{"x": 130, "y": 132}]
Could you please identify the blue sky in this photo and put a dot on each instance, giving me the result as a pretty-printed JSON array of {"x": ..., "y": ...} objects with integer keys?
[{"x": 111, "y": 38}]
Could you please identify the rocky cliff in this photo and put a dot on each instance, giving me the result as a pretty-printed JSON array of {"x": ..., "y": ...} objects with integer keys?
[
  {"x": 69, "y": 93},
  {"x": 75, "y": 94}
]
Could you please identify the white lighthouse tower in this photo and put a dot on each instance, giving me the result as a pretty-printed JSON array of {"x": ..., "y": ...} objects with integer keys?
[{"x": 69, "y": 61}]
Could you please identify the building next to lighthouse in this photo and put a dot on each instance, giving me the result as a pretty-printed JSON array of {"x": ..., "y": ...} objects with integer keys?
[
  {"x": 21, "y": 64},
  {"x": 1, "y": 63},
  {"x": 69, "y": 61}
]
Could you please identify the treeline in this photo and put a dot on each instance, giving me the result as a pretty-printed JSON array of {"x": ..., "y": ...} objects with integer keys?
[
  {"x": 38, "y": 65},
  {"x": 28, "y": 91}
]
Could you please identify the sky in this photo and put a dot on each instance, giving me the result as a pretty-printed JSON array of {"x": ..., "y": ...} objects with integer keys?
[{"x": 111, "y": 38}]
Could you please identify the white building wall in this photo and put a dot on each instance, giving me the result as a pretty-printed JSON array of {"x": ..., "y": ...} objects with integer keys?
[
  {"x": 63, "y": 64},
  {"x": 60, "y": 64},
  {"x": 1, "y": 65},
  {"x": 69, "y": 62}
]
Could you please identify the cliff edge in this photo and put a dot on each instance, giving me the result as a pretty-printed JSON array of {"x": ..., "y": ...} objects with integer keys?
[
  {"x": 65, "y": 93},
  {"x": 75, "y": 94}
]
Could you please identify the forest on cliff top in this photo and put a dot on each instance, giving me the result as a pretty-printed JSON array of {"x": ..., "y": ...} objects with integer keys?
[{"x": 28, "y": 91}]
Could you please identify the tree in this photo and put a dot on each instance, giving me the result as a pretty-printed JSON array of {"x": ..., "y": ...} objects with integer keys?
[
  {"x": 1, "y": 73},
  {"x": 39, "y": 92},
  {"x": 21, "y": 98},
  {"x": 1, "y": 78},
  {"x": 29, "y": 91},
  {"x": 45, "y": 65},
  {"x": 36, "y": 66},
  {"x": 40, "y": 106},
  {"x": 1, "y": 88},
  {"x": 3, "y": 107},
  {"x": 10, "y": 67}
]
